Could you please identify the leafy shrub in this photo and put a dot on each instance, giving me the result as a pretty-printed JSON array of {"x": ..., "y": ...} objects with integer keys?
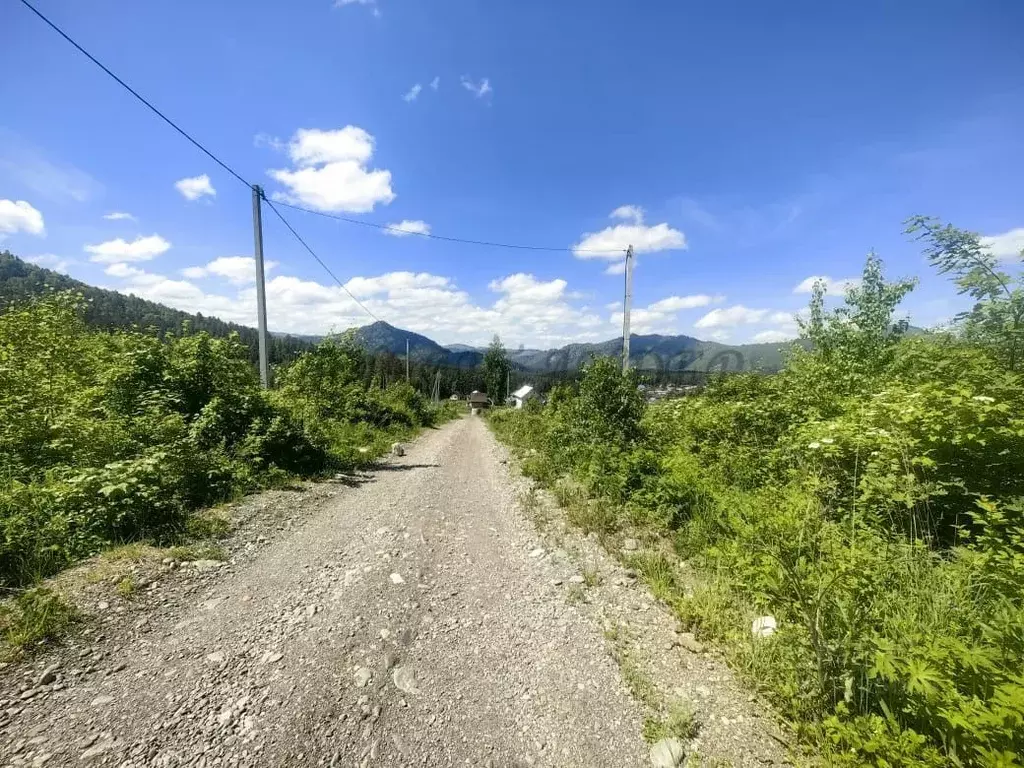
[{"x": 114, "y": 436}]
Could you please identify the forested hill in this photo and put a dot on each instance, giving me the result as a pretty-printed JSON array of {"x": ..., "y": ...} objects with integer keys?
[
  {"x": 383, "y": 337},
  {"x": 20, "y": 281}
]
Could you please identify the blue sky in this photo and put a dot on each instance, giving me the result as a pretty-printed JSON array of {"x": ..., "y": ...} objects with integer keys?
[{"x": 742, "y": 148}]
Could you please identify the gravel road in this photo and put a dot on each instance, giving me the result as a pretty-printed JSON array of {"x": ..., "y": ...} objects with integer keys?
[{"x": 412, "y": 620}]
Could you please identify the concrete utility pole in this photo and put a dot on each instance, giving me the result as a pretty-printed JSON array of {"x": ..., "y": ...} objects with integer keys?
[
  {"x": 406, "y": 361},
  {"x": 627, "y": 303},
  {"x": 261, "y": 290}
]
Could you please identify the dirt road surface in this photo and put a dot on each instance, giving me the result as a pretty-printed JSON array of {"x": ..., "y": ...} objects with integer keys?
[{"x": 413, "y": 620}]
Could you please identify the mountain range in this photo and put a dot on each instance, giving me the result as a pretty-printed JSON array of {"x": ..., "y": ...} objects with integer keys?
[
  {"x": 647, "y": 352},
  {"x": 105, "y": 308}
]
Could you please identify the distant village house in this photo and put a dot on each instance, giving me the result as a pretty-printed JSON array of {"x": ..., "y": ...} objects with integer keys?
[
  {"x": 521, "y": 395},
  {"x": 478, "y": 399}
]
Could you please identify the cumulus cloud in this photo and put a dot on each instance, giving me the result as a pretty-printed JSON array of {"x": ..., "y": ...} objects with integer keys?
[
  {"x": 406, "y": 227},
  {"x": 728, "y": 317},
  {"x": 833, "y": 286},
  {"x": 19, "y": 216},
  {"x": 331, "y": 172},
  {"x": 238, "y": 270},
  {"x": 478, "y": 89},
  {"x": 119, "y": 216},
  {"x": 522, "y": 308},
  {"x": 660, "y": 316},
  {"x": 412, "y": 93},
  {"x": 766, "y": 337},
  {"x": 610, "y": 243},
  {"x": 195, "y": 187},
  {"x": 1007, "y": 246},
  {"x": 120, "y": 250},
  {"x": 632, "y": 213}
]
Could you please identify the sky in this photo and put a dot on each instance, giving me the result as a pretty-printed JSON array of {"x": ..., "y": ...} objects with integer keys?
[{"x": 742, "y": 148}]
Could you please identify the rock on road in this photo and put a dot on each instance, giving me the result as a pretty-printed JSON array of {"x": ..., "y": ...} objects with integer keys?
[{"x": 403, "y": 624}]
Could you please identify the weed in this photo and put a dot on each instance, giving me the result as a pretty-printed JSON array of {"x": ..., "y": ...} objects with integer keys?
[
  {"x": 127, "y": 587},
  {"x": 680, "y": 722},
  {"x": 591, "y": 575},
  {"x": 208, "y": 524},
  {"x": 134, "y": 552},
  {"x": 657, "y": 570},
  {"x": 34, "y": 617},
  {"x": 198, "y": 551}
]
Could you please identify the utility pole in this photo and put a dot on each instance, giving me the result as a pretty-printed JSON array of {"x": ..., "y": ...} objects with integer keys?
[
  {"x": 406, "y": 361},
  {"x": 261, "y": 290},
  {"x": 627, "y": 303},
  {"x": 508, "y": 378}
]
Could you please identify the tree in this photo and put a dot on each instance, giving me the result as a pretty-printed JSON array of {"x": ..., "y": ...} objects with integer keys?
[
  {"x": 996, "y": 320},
  {"x": 860, "y": 337},
  {"x": 496, "y": 370}
]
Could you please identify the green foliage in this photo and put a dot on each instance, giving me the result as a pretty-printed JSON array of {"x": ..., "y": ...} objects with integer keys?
[
  {"x": 996, "y": 320},
  {"x": 496, "y": 371},
  {"x": 870, "y": 497},
  {"x": 107, "y": 437}
]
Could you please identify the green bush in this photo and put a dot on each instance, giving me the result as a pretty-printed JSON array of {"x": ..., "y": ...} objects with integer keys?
[{"x": 107, "y": 437}]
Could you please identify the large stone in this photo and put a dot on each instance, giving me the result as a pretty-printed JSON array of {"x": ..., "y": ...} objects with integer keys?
[
  {"x": 405, "y": 680},
  {"x": 207, "y": 565},
  {"x": 630, "y": 545},
  {"x": 668, "y": 753},
  {"x": 398, "y": 449},
  {"x": 362, "y": 677}
]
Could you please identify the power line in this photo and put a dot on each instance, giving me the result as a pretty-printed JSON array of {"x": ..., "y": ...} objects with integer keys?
[
  {"x": 318, "y": 259},
  {"x": 135, "y": 93},
  {"x": 399, "y": 230}
]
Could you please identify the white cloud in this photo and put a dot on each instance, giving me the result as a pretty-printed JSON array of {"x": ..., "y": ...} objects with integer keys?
[
  {"x": 659, "y": 317},
  {"x": 195, "y": 187},
  {"x": 238, "y": 270},
  {"x": 412, "y": 93},
  {"x": 632, "y": 213},
  {"x": 406, "y": 227},
  {"x": 19, "y": 216},
  {"x": 618, "y": 268},
  {"x": 765, "y": 337},
  {"x": 728, "y": 317},
  {"x": 119, "y": 250},
  {"x": 363, "y": 287},
  {"x": 435, "y": 83},
  {"x": 119, "y": 216},
  {"x": 50, "y": 261},
  {"x": 610, "y": 243},
  {"x": 331, "y": 173},
  {"x": 833, "y": 286},
  {"x": 479, "y": 89},
  {"x": 312, "y": 146},
  {"x": 1007, "y": 246}
]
